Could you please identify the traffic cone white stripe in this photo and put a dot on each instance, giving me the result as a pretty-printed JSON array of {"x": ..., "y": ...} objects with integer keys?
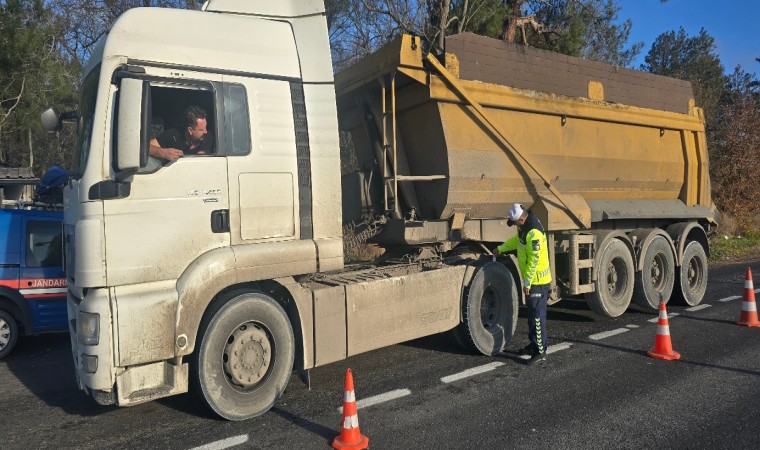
[
  {"x": 351, "y": 422},
  {"x": 349, "y": 396},
  {"x": 663, "y": 330},
  {"x": 663, "y": 314},
  {"x": 749, "y": 306},
  {"x": 748, "y": 284}
]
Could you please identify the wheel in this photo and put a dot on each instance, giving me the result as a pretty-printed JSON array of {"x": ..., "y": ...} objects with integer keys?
[
  {"x": 489, "y": 311},
  {"x": 655, "y": 281},
  {"x": 614, "y": 284},
  {"x": 691, "y": 281},
  {"x": 245, "y": 356},
  {"x": 8, "y": 333}
]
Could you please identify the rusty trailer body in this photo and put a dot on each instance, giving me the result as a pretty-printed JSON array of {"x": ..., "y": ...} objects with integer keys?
[
  {"x": 457, "y": 142},
  {"x": 470, "y": 148}
]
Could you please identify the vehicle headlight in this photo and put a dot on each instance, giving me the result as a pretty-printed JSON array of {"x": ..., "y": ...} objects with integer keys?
[{"x": 88, "y": 328}]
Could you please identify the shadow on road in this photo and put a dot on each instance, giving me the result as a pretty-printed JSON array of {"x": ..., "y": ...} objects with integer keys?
[
  {"x": 563, "y": 316},
  {"x": 705, "y": 319},
  {"x": 573, "y": 303},
  {"x": 44, "y": 365},
  {"x": 679, "y": 361},
  {"x": 320, "y": 430},
  {"x": 188, "y": 404},
  {"x": 443, "y": 342}
]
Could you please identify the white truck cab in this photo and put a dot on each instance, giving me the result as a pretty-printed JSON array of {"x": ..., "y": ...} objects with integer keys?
[{"x": 151, "y": 243}]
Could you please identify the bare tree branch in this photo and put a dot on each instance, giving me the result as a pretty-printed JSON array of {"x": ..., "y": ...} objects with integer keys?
[{"x": 4, "y": 114}]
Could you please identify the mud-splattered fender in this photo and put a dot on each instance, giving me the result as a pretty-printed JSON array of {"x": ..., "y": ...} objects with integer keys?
[{"x": 223, "y": 269}]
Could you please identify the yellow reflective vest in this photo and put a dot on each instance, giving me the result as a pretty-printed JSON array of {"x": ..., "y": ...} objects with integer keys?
[{"x": 532, "y": 252}]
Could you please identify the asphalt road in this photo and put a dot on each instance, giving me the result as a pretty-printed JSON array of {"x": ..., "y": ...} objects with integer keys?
[{"x": 597, "y": 389}]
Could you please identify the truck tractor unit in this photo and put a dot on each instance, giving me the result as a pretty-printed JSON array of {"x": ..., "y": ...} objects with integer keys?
[{"x": 228, "y": 271}]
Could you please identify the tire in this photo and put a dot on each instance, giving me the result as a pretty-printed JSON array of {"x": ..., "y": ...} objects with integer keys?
[
  {"x": 656, "y": 279},
  {"x": 245, "y": 356},
  {"x": 691, "y": 279},
  {"x": 614, "y": 284},
  {"x": 8, "y": 333},
  {"x": 489, "y": 311}
]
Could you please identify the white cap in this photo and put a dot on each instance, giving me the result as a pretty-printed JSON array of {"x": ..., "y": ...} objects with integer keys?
[{"x": 515, "y": 212}]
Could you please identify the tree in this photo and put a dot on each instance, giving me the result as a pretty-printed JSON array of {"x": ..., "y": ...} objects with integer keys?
[
  {"x": 33, "y": 75},
  {"x": 735, "y": 160},
  {"x": 675, "y": 54},
  {"x": 85, "y": 21},
  {"x": 359, "y": 27},
  {"x": 584, "y": 28}
]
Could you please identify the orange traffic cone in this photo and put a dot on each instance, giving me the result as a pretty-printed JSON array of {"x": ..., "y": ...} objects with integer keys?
[
  {"x": 663, "y": 349},
  {"x": 749, "y": 308},
  {"x": 350, "y": 436}
]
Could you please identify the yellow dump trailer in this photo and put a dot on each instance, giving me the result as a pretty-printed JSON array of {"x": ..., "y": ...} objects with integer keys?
[{"x": 622, "y": 188}]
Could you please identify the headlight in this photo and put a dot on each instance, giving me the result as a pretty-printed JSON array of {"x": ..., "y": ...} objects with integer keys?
[{"x": 88, "y": 328}]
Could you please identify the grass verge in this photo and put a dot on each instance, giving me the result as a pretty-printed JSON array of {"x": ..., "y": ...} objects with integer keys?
[{"x": 725, "y": 247}]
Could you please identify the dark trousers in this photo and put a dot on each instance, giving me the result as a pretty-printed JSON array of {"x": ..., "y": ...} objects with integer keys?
[{"x": 536, "y": 303}]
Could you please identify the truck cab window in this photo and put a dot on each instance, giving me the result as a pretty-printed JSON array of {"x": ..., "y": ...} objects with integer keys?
[
  {"x": 183, "y": 124},
  {"x": 236, "y": 116}
]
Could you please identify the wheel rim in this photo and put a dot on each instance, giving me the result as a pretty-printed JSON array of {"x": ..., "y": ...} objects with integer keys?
[
  {"x": 617, "y": 278},
  {"x": 248, "y": 356},
  {"x": 5, "y": 333},
  {"x": 694, "y": 274},
  {"x": 489, "y": 308},
  {"x": 658, "y": 272}
]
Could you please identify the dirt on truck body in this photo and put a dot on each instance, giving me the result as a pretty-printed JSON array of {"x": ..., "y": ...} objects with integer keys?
[{"x": 599, "y": 153}]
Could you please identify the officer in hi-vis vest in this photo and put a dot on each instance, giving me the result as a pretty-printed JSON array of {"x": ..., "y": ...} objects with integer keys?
[{"x": 533, "y": 257}]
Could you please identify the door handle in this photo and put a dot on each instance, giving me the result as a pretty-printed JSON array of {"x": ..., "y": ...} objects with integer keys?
[{"x": 220, "y": 221}]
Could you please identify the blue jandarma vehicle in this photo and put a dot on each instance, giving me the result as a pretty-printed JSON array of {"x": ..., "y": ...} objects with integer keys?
[{"x": 32, "y": 279}]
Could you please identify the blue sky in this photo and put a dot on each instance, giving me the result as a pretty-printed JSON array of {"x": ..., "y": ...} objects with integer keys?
[{"x": 735, "y": 25}]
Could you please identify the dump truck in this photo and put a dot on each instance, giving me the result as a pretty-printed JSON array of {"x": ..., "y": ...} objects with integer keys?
[{"x": 227, "y": 271}]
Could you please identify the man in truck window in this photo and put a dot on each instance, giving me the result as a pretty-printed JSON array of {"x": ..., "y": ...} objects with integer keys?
[
  {"x": 191, "y": 139},
  {"x": 533, "y": 257}
]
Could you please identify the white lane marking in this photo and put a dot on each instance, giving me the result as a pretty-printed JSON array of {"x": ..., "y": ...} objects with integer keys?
[
  {"x": 380, "y": 398},
  {"x": 606, "y": 334},
  {"x": 471, "y": 372},
  {"x": 757, "y": 291},
  {"x": 728, "y": 299},
  {"x": 630, "y": 325},
  {"x": 558, "y": 347},
  {"x": 698, "y": 307},
  {"x": 670, "y": 316},
  {"x": 224, "y": 443}
]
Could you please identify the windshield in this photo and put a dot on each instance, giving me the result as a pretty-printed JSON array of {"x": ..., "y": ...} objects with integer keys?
[{"x": 84, "y": 125}]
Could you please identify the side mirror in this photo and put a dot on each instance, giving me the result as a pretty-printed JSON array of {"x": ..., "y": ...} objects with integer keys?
[
  {"x": 133, "y": 132},
  {"x": 51, "y": 119}
]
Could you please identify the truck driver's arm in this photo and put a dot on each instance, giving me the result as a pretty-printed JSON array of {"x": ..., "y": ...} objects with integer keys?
[{"x": 169, "y": 154}]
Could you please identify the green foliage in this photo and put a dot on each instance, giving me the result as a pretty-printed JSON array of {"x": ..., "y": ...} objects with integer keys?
[
  {"x": 584, "y": 28},
  {"x": 603, "y": 39},
  {"x": 33, "y": 75},
  {"x": 692, "y": 58},
  {"x": 485, "y": 18}
]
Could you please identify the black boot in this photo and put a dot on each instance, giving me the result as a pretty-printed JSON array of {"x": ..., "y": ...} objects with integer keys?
[
  {"x": 537, "y": 357},
  {"x": 528, "y": 350}
]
